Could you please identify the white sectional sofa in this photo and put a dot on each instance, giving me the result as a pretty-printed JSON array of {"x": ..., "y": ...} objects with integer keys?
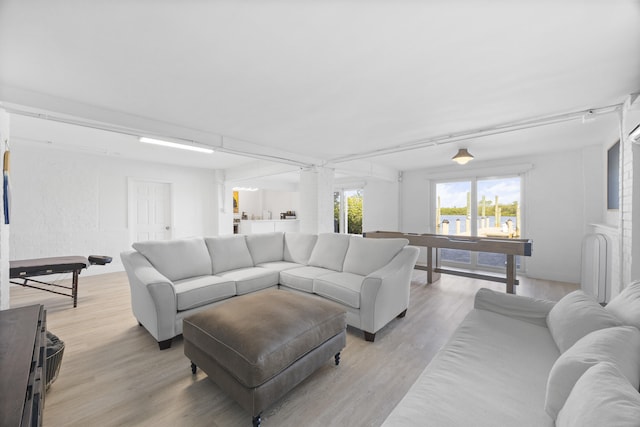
[
  {"x": 173, "y": 279},
  {"x": 516, "y": 361}
]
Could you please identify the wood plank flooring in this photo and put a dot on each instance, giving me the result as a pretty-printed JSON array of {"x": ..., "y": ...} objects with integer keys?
[{"x": 113, "y": 374}]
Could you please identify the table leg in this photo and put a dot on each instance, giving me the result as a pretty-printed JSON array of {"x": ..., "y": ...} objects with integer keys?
[
  {"x": 432, "y": 264},
  {"x": 511, "y": 274},
  {"x": 74, "y": 290}
]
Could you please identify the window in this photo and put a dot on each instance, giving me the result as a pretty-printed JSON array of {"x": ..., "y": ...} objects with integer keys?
[
  {"x": 487, "y": 207},
  {"x": 613, "y": 177},
  {"x": 347, "y": 211}
]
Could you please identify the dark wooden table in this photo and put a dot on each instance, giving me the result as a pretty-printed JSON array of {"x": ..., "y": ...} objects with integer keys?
[{"x": 434, "y": 242}]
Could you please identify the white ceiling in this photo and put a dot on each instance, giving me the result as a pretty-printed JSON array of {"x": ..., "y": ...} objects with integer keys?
[{"x": 319, "y": 82}]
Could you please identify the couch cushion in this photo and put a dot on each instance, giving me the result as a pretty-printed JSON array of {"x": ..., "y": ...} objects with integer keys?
[
  {"x": 619, "y": 345},
  {"x": 601, "y": 397},
  {"x": 576, "y": 315},
  {"x": 341, "y": 287},
  {"x": 228, "y": 253},
  {"x": 199, "y": 291},
  {"x": 298, "y": 247},
  {"x": 177, "y": 259},
  {"x": 279, "y": 265},
  {"x": 302, "y": 278},
  {"x": 626, "y": 305},
  {"x": 491, "y": 373},
  {"x": 329, "y": 251},
  {"x": 267, "y": 247},
  {"x": 251, "y": 279},
  {"x": 365, "y": 256}
]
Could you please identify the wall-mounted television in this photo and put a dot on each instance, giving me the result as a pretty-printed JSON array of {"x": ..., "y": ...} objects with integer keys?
[{"x": 613, "y": 176}]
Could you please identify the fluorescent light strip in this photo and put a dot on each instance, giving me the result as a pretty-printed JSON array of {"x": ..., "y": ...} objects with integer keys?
[{"x": 175, "y": 145}]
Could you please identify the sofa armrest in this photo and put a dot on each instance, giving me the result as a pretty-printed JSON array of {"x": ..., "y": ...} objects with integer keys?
[
  {"x": 515, "y": 306},
  {"x": 153, "y": 297},
  {"x": 385, "y": 292}
]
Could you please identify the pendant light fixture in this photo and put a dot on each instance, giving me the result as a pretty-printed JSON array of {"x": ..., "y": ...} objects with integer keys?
[{"x": 463, "y": 157}]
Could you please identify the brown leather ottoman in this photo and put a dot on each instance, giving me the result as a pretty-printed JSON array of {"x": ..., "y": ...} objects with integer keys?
[{"x": 259, "y": 346}]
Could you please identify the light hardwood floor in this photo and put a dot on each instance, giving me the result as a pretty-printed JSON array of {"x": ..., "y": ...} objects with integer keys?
[{"x": 113, "y": 374}]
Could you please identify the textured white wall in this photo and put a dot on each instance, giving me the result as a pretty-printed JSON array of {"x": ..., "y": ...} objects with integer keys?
[
  {"x": 76, "y": 204},
  {"x": 630, "y": 201}
]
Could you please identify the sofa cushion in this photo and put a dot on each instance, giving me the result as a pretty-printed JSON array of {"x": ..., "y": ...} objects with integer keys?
[
  {"x": 251, "y": 279},
  {"x": 329, "y": 251},
  {"x": 491, "y": 373},
  {"x": 177, "y": 259},
  {"x": 266, "y": 247},
  {"x": 228, "y": 253},
  {"x": 619, "y": 345},
  {"x": 626, "y": 305},
  {"x": 576, "y": 315},
  {"x": 302, "y": 278},
  {"x": 601, "y": 397},
  {"x": 298, "y": 247},
  {"x": 199, "y": 291},
  {"x": 365, "y": 256},
  {"x": 279, "y": 265},
  {"x": 341, "y": 287}
]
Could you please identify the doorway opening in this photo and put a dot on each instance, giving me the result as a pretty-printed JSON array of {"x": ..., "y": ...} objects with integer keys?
[{"x": 347, "y": 211}]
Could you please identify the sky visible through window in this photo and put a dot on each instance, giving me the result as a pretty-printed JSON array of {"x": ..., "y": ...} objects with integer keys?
[{"x": 454, "y": 194}]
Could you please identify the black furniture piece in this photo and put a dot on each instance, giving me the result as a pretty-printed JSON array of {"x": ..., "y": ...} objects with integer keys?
[
  {"x": 26, "y": 269},
  {"x": 22, "y": 366}
]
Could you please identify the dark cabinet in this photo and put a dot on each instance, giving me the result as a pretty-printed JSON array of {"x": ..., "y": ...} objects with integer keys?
[{"x": 22, "y": 365}]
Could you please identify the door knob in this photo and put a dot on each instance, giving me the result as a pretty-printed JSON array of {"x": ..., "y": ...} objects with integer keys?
[{"x": 167, "y": 227}]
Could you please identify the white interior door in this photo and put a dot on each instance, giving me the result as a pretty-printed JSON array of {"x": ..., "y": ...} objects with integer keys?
[{"x": 150, "y": 211}]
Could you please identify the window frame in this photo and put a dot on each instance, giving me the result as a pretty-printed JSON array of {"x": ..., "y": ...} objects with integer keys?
[{"x": 473, "y": 178}]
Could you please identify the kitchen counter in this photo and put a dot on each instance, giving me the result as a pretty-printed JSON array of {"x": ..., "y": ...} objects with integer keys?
[{"x": 251, "y": 226}]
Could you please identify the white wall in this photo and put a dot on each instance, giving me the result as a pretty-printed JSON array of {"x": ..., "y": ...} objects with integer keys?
[
  {"x": 4, "y": 229},
  {"x": 280, "y": 201},
  {"x": 276, "y": 201},
  {"x": 559, "y": 208},
  {"x": 250, "y": 202},
  {"x": 67, "y": 203},
  {"x": 562, "y": 196},
  {"x": 381, "y": 206}
]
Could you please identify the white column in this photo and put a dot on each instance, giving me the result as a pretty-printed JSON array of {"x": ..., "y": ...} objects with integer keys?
[
  {"x": 316, "y": 200},
  {"x": 629, "y": 194},
  {"x": 4, "y": 229},
  {"x": 224, "y": 211},
  {"x": 635, "y": 207}
]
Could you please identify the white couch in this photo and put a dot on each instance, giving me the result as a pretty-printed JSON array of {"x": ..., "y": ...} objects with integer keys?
[
  {"x": 516, "y": 361},
  {"x": 173, "y": 279}
]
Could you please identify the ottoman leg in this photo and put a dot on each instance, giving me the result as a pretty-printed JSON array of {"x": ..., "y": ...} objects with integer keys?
[
  {"x": 256, "y": 421},
  {"x": 337, "y": 357},
  {"x": 193, "y": 368}
]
